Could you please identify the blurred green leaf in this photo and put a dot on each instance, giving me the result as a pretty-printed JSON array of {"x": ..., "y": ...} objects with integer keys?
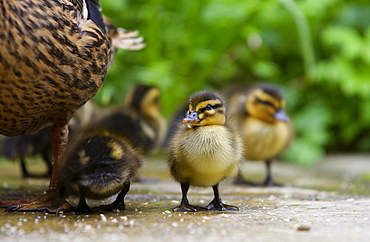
[
  {"x": 348, "y": 41},
  {"x": 304, "y": 153}
]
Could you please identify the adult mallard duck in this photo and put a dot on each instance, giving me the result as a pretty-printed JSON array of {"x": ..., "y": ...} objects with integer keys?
[{"x": 54, "y": 58}]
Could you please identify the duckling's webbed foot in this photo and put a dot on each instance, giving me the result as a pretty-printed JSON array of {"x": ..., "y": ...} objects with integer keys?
[
  {"x": 83, "y": 208},
  {"x": 268, "y": 182},
  {"x": 184, "y": 205},
  {"x": 217, "y": 204},
  {"x": 119, "y": 203},
  {"x": 115, "y": 205}
]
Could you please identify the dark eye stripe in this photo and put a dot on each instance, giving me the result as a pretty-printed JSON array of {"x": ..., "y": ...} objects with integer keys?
[
  {"x": 264, "y": 102},
  {"x": 207, "y": 108}
]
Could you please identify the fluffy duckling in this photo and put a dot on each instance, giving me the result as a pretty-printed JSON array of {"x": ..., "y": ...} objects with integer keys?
[
  {"x": 99, "y": 165},
  {"x": 265, "y": 127},
  {"x": 205, "y": 151},
  {"x": 140, "y": 121}
]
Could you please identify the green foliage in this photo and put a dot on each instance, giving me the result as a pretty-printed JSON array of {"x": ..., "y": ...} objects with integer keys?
[{"x": 318, "y": 52}]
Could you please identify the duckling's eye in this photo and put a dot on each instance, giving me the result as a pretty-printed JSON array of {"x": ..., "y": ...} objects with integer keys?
[
  {"x": 264, "y": 102},
  {"x": 208, "y": 107},
  {"x": 156, "y": 100}
]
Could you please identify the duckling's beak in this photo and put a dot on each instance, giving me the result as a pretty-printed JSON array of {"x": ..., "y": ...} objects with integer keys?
[
  {"x": 192, "y": 118},
  {"x": 281, "y": 116}
]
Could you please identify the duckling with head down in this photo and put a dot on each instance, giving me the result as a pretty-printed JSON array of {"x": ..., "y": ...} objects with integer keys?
[
  {"x": 99, "y": 165},
  {"x": 205, "y": 151},
  {"x": 265, "y": 127}
]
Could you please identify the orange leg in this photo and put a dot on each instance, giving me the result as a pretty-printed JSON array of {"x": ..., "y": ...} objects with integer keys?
[{"x": 49, "y": 201}]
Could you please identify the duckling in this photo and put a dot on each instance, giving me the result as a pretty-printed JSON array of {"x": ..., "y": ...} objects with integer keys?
[
  {"x": 205, "y": 151},
  {"x": 265, "y": 128},
  {"x": 100, "y": 164},
  {"x": 140, "y": 120},
  {"x": 54, "y": 58}
]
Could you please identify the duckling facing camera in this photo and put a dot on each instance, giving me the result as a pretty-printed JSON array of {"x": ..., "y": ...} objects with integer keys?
[
  {"x": 99, "y": 165},
  {"x": 265, "y": 127},
  {"x": 204, "y": 151}
]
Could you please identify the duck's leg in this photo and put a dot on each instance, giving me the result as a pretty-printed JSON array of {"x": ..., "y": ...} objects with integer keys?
[
  {"x": 24, "y": 170},
  {"x": 47, "y": 202},
  {"x": 269, "y": 181},
  {"x": 46, "y": 158},
  {"x": 184, "y": 205},
  {"x": 217, "y": 204},
  {"x": 119, "y": 203},
  {"x": 82, "y": 205}
]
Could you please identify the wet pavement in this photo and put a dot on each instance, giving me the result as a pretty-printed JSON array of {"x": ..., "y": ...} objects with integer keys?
[{"x": 327, "y": 202}]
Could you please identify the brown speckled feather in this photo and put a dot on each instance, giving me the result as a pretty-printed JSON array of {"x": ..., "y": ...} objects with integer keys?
[
  {"x": 54, "y": 55},
  {"x": 78, "y": 4},
  {"x": 51, "y": 62}
]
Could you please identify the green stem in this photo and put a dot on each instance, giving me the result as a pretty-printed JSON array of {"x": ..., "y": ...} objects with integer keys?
[{"x": 304, "y": 36}]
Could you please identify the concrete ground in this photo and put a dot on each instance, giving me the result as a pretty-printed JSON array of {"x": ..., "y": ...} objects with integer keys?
[{"x": 327, "y": 202}]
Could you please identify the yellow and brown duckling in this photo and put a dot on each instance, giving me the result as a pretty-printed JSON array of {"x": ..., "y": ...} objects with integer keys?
[
  {"x": 54, "y": 58},
  {"x": 140, "y": 120},
  {"x": 205, "y": 151},
  {"x": 99, "y": 165},
  {"x": 265, "y": 127}
]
